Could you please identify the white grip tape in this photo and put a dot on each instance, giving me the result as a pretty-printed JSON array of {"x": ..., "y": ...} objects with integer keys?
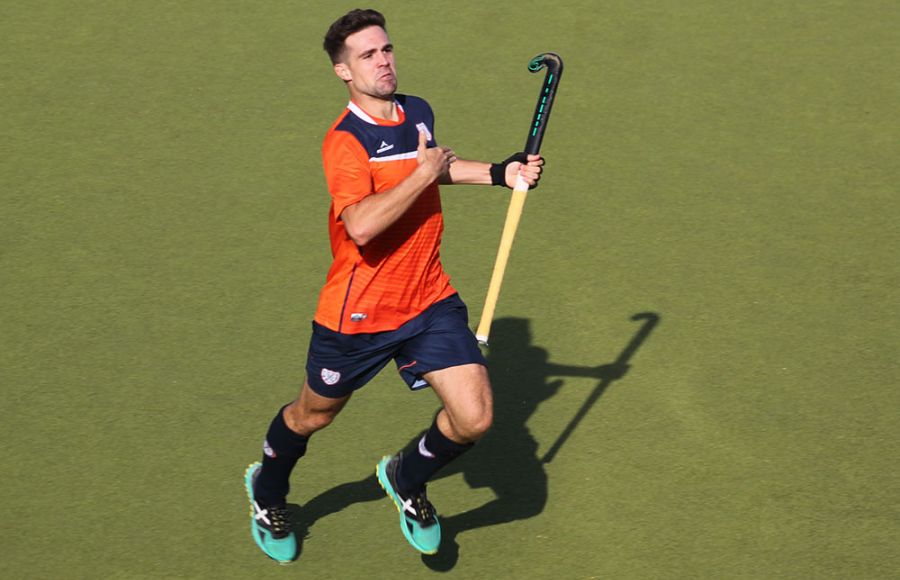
[{"x": 521, "y": 184}]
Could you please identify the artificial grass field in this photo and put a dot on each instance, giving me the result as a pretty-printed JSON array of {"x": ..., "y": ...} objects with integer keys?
[{"x": 729, "y": 167}]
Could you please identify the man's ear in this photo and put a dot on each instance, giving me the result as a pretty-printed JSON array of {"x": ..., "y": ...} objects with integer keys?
[{"x": 343, "y": 72}]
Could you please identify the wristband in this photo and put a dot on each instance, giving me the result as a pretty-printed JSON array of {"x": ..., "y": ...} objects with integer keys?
[{"x": 498, "y": 170}]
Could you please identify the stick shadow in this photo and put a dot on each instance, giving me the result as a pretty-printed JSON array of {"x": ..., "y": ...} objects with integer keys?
[{"x": 506, "y": 459}]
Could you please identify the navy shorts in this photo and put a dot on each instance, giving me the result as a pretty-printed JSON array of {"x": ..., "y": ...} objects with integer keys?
[{"x": 439, "y": 338}]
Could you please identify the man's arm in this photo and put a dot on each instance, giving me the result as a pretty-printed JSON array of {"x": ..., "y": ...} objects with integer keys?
[
  {"x": 479, "y": 172},
  {"x": 375, "y": 213}
]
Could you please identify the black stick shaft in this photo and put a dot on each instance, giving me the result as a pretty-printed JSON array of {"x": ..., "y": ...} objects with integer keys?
[{"x": 554, "y": 65}]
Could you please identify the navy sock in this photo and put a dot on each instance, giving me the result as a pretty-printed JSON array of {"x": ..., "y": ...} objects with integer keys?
[
  {"x": 281, "y": 451},
  {"x": 434, "y": 451}
]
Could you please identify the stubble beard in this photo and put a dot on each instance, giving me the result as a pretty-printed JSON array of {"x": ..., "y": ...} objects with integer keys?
[{"x": 385, "y": 89}]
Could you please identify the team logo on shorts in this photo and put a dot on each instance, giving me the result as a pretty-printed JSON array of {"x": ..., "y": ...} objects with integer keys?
[
  {"x": 330, "y": 377},
  {"x": 267, "y": 449}
]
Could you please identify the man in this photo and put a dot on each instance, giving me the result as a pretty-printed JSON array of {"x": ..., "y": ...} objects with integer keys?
[{"x": 386, "y": 296}]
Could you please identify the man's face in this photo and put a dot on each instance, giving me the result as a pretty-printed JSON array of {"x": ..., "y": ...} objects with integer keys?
[{"x": 368, "y": 63}]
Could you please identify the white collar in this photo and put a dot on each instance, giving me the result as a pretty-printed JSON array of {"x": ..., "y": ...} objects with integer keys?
[{"x": 356, "y": 110}]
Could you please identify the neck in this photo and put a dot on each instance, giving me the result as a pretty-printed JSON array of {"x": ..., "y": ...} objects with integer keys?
[{"x": 381, "y": 108}]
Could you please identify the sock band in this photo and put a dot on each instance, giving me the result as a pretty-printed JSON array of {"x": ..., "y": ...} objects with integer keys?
[
  {"x": 434, "y": 451},
  {"x": 281, "y": 451},
  {"x": 282, "y": 441},
  {"x": 439, "y": 445}
]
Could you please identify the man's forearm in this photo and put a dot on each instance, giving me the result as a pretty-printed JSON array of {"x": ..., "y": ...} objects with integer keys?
[
  {"x": 466, "y": 171},
  {"x": 375, "y": 213}
]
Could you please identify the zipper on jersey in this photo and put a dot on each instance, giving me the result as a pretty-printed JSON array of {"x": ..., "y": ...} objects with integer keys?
[{"x": 346, "y": 298}]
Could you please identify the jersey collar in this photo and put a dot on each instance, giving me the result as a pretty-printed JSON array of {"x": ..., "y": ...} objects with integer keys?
[{"x": 356, "y": 110}]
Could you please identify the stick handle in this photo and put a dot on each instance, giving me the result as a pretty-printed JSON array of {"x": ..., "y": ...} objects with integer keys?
[
  {"x": 554, "y": 65},
  {"x": 516, "y": 204}
]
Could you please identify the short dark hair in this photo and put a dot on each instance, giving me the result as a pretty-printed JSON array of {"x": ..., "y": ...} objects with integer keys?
[{"x": 351, "y": 22}]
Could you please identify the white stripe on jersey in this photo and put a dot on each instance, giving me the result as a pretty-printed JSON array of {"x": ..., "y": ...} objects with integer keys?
[{"x": 399, "y": 156}]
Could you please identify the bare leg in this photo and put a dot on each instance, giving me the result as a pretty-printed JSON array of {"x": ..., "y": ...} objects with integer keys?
[
  {"x": 465, "y": 391},
  {"x": 311, "y": 412}
]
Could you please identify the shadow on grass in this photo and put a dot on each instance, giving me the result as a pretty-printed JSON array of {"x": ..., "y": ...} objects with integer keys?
[{"x": 506, "y": 460}]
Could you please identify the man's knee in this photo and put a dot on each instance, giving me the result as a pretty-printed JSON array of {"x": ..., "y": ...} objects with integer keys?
[
  {"x": 472, "y": 424},
  {"x": 481, "y": 415},
  {"x": 468, "y": 401},
  {"x": 311, "y": 412},
  {"x": 308, "y": 422},
  {"x": 481, "y": 424}
]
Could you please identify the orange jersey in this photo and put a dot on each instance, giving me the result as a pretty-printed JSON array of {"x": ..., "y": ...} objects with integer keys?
[{"x": 398, "y": 274}]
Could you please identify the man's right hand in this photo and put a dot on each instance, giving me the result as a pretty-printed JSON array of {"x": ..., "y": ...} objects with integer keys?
[
  {"x": 434, "y": 161},
  {"x": 367, "y": 218}
]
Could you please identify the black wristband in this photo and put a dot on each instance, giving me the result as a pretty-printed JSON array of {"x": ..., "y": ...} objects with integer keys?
[{"x": 498, "y": 170}]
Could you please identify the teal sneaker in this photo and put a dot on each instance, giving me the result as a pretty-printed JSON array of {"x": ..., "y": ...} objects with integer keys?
[
  {"x": 270, "y": 525},
  {"x": 418, "y": 522}
]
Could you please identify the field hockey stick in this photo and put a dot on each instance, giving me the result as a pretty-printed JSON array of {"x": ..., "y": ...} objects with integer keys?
[
  {"x": 651, "y": 319},
  {"x": 554, "y": 66}
]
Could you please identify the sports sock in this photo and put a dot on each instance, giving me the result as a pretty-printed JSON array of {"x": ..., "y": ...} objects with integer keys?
[
  {"x": 282, "y": 448},
  {"x": 434, "y": 451}
]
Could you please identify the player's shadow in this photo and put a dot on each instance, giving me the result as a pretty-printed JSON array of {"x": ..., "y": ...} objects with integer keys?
[{"x": 505, "y": 460}]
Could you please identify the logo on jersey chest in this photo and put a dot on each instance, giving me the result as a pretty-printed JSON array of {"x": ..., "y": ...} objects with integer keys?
[
  {"x": 423, "y": 128},
  {"x": 384, "y": 147}
]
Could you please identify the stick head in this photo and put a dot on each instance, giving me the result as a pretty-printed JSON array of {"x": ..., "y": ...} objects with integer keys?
[
  {"x": 554, "y": 65},
  {"x": 551, "y": 60}
]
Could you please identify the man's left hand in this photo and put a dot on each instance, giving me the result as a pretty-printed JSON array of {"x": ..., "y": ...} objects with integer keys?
[{"x": 531, "y": 171}]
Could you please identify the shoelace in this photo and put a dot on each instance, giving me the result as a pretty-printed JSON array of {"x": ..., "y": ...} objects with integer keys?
[
  {"x": 280, "y": 522},
  {"x": 424, "y": 509}
]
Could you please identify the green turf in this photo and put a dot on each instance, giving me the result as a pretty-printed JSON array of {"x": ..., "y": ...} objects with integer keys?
[{"x": 729, "y": 166}]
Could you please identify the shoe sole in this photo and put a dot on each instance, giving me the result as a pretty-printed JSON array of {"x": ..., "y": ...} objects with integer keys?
[
  {"x": 381, "y": 475},
  {"x": 248, "y": 487}
]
